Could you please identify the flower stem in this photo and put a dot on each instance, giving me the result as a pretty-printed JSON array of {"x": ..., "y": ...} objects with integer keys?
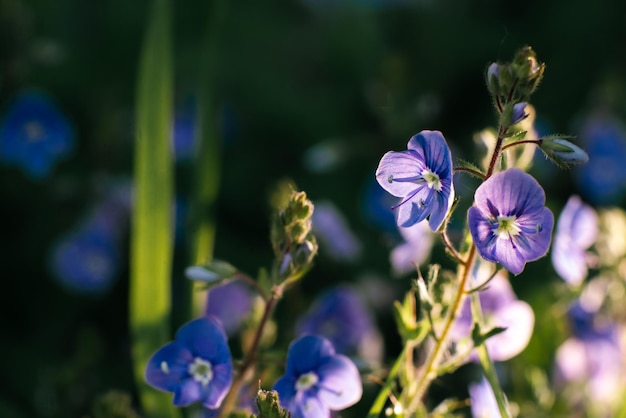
[
  {"x": 383, "y": 395},
  {"x": 486, "y": 362},
  {"x": 428, "y": 371},
  {"x": 231, "y": 398}
]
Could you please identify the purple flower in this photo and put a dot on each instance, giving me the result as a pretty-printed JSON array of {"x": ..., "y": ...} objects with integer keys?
[
  {"x": 34, "y": 134},
  {"x": 509, "y": 222},
  {"x": 501, "y": 308},
  {"x": 230, "y": 303},
  {"x": 422, "y": 177},
  {"x": 591, "y": 362},
  {"x": 483, "y": 401},
  {"x": 413, "y": 252},
  {"x": 317, "y": 380},
  {"x": 196, "y": 366},
  {"x": 340, "y": 315},
  {"x": 576, "y": 230}
]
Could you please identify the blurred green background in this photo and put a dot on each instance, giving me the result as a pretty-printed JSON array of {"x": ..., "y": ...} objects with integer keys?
[{"x": 358, "y": 77}]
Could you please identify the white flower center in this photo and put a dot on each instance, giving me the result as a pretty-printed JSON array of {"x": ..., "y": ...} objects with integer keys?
[
  {"x": 432, "y": 179},
  {"x": 507, "y": 227},
  {"x": 34, "y": 131},
  {"x": 201, "y": 370},
  {"x": 306, "y": 381}
]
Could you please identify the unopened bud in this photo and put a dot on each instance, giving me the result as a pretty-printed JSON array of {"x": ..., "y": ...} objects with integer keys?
[
  {"x": 563, "y": 151},
  {"x": 217, "y": 270},
  {"x": 519, "y": 113}
]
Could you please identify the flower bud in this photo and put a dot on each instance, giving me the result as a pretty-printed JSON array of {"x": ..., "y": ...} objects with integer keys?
[
  {"x": 563, "y": 151},
  {"x": 519, "y": 113},
  {"x": 217, "y": 270}
]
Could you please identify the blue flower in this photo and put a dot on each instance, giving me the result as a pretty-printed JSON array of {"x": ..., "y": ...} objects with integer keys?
[
  {"x": 509, "y": 222},
  {"x": 603, "y": 179},
  {"x": 230, "y": 303},
  {"x": 341, "y": 316},
  {"x": 576, "y": 231},
  {"x": 87, "y": 259},
  {"x": 196, "y": 366},
  {"x": 34, "y": 134},
  {"x": 317, "y": 380},
  {"x": 422, "y": 177}
]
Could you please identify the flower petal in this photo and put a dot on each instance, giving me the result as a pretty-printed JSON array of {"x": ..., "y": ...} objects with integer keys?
[
  {"x": 219, "y": 385},
  {"x": 188, "y": 391},
  {"x": 405, "y": 166},
  {"x": 206, "y": 339},
  {"x": 168, "y": 366},
  {"x": 512, "y": 192},
  {"x": 340, "y": 383},
  {"x": 306, "y": 354}
]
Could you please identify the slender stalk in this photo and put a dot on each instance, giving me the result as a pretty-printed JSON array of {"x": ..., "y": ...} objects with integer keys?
[
  {"x": 525, "y": 141},
  {"x": 428, "y": 371},
  {"x": 473, "y": 172},
  {"x": 486, "y": 362},
  {"x": 383, "y": 395},
  {"x": 231, "y": 398}
]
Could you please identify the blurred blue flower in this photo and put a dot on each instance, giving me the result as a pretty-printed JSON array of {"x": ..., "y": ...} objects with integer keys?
[
  {"x": 317, "y": 380},
  {"x": 603, "y": 179},
  {"x": 340, "y": 315},
  {"x": 196, "y": 366},
  {"x": 509, "y": 222},
  {"x": 482, "y": 400},
  {"x": 590, "y": 366},
  {"x": 422, "y": 177},
  {"x": 332, "y": 230},
  {"x": 184, "y": 131},
  {"x": 230, "y": 303},
  {"x": 34, "y": 134},
  {"x": 501, "y": 308},
  {"x": 576, "y": 231},
  {"x": 86, "y": 260},
  {"x": 414, "y": 251}
]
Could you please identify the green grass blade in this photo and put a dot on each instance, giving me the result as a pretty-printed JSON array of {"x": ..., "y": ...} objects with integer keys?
[
  {"x": 151, "y": 233},
  {"x": 207, "y": 164}
]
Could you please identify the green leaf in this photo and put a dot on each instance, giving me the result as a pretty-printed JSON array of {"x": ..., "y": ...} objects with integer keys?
[
  {"x": 151, "y": 229},
  {"x": 479, "y": 337}
]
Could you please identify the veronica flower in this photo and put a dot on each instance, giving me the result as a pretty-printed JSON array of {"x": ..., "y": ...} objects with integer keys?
[
  {"x": 317, "y": 380},
  {"x": 341, "y": 316},
  {"x": 34, "y": 134},
  {"x": 502, "y": 309},
  {"x": 422, "y": 177},
  {"x": 576, "y": 230},
  {"x": 418, "y": 241},
  {"x": 196, "y": 366},
  {"x": 509, "y": 222},
  {"x": 230, "y": 303}
]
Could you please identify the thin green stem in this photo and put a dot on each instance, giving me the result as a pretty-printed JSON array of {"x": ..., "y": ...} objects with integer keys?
[
  {"x": 486, "y": 362},
  {"x": 471, "y": 171},
  {"x": 525, "y": 141},
  {"x": 383, "y": 395},
  {"x": 231, "y": 398},
  {"x": 428, "y": 371}
]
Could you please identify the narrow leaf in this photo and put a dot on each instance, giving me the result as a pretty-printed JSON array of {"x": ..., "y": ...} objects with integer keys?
[{"x": 151, "y": 233}]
